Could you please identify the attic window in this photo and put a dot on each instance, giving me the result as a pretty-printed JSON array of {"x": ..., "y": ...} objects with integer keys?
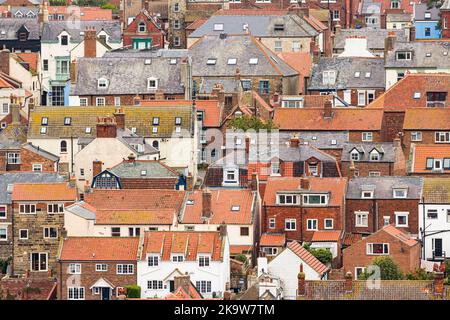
[
  {"x": 44, "y": 121},
  {"x": 235, "y": 208},
  {"x": 143, "y": 172},
  {"x": 403, "y": 55},
  {"x": 133, "y": 130},
  {"x": 278, "y": 27},
  {"x": 357, "y": 74},
  {"x": 142, "y": 27},
  {"x": 152, "y": 83},
  {"x": 211, "y": 61},
  {"x": 253, "y": 61},
  {"x": 400, "y": 193},
  {"x": 218, "y": 26},
  {"x": 155, "y": 130},
  {"x": 173, "y": 61},
  {"x": 428, "y": 54},
  {"x": 232, "y": 61},
  {"x": 67, "y": 121},
  {"x": 427, "y": 15},
  {"x": 368, "y": 74},
  {"x": 102, "y": 83},
  {"x": 43, "y": 130},
  {"x": 416, "y": 95}
]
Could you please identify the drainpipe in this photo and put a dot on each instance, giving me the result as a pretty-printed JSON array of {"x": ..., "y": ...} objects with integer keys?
[{"x": 423, "y": 228}]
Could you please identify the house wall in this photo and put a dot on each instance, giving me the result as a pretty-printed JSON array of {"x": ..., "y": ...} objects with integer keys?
[
  {"x": 29, "y": 81},
  {"x": 428, "y": 137},
  {"x": 406, "y": 257},
  {"x": 156, "y": 183},
  {"x": 363, "y": 168},
  {"x": 432, "y": 225},
  {"x": 391, "y": 73},
  {"x": 6, "y": 246},
  {"x": 356, "y": 136},
  {"x": 28, "y": 158},
  {"x": 131, "y": 32},
  {"x": 89, "y": 276},
  {"x": 435, "y": 33}
]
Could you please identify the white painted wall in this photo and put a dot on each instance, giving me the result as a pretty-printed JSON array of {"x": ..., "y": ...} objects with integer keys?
[{"x": 433, "y": 225}]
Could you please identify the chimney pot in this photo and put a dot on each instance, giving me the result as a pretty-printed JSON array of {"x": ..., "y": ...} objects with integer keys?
[
  {"x": 206, "y": 204},
  {"x": 304, "y": 184}
]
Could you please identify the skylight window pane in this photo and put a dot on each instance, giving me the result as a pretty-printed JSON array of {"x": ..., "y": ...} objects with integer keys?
[
  {"x": 211, "y": 61},
  {"x": 232, "y": 61},
  {"x": 253, "y": 61},
  {"x": 218, "y": 27}
]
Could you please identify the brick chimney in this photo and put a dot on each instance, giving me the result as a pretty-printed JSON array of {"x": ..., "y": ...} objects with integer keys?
[
  {"x": 389, "y": 42},
  {"x": 438, "y": 283},
  {"x": 159, "y": 94},
  {"x": 183, "y": 281},
  {"x": 14, "y": 109},
  {"x": 219, "y": 92},
  {"x": 90, "y": 42},
  {"x": 73, "y": 72},
  {"x": 43, "y": 13},
  {"x": 301, "y": 283},
  {"x": 254, "y": 182},
  {"x": 223, "y": 229},
  {"x": 327, "y": 109},
  {"x": 348, "y": 284},
  {"x": 237, "y": 75},
  {"x": 147, "y": 6},
  {"x": 137, "y": 100},
  {"x": 294, "y": 141},
  {"x": 412, "y": 33},
  {"x": 206, "y": 204},
  {"x": 96, "y": 167},
  {"x": 4, "y": 61},
  {"x": 106, "y": 127},
  {"x": 304, "y": 184},
  {"x": 400, "y": 160},
  {"x": 119, "y": 116}
]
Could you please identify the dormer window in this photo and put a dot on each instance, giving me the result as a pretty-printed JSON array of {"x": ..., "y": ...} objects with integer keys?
[
  {"x": 354, "y": 155},
  {"x": 395, "y": 4},
  {"x": 367, "y": 194},
  {"x": 367, "y": 75},
  {"x": 374, "y": 155},
  {"x": 102, "y": 83},
  {"x": 64, "y": 40},
  {"x": 427, "y": 15},
  {"x": 315, "y": 199},
  {"x": 400, "y": 193},
  {"x": 329, "y": 77},
  {"x": 275, "y": 168},
  {"x": 152, "y": 83},
  {"x": 403, "y": 55},
  {"x": 142, "y": 27},
  {"x": 287, "y": 199}
]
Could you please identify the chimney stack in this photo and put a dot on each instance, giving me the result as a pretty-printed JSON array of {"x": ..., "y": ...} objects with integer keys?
[
  {"x": 131, "y": 158},
  {"x": 327, "y": 113},
  {"x": 237, "y": 75},
  {"x": 348, "y": 285},
  {"x": 106, "y": 127},
  {"x": 206, "y": 204},
  {"x": 294, "y": 141},
  {"x": 14, "y": 109},
  {"x": 183, "y": 281},
  {"x": 223, "y": 229},
  {"x": 4, "y": 61},
  {"x": 73, "y": 72},
  {"x": 301, "y": 283},
  {"x": 304, "y": 184},
  {"x": 96, "y": 167},
  {"x": 159, "y": 94},
  {"x": 219, "y": 92},
  {"x": 254, "y": 182},
  {"x": 147, "y": 6},
  {"x": 412, "y": 33},
  {"x": 438, "y": 283},
  {"x": 90, "y": 42},
  {"x": 119, "y": 116},
  {"x": 43, "y": 14}
]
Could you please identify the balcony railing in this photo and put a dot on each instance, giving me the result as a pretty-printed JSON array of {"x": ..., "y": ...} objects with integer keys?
[{"x": 439, "y": 255}]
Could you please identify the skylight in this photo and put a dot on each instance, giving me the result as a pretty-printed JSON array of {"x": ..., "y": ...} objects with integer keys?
[
  {"x": 416, "y": 95},
  {"x": 211, "y": 61},
  {"x": 148, "y": 61},
  {"x": 357, "y": 74},
  {"x": 367, "y": 74},
  {"x": 253, "y": 61},
  {"x": 235, "y": 208},
  {"x": 218, "y": 26},
  {"x": 232, "y": 61}
]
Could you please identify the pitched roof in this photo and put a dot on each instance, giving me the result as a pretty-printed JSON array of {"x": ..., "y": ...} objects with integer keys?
[
  {"x": 301, "y": 62},
  {"x": 36, "y": 149},
  {"x": 188, "y": 243},
  {"x": 427, "y": 119},
  {"x": 272, "y": 240},
  {"x": 421, "y": 8},
  {"x": 398, "y": 234},
  {"x": 436, "y": 190},
  {"x": 52, "y": 29},
  {"x": 153, "y": 169},
  {"x": 139, "y": 117},
  {"x": 423, "y": 151},
  {"x": 411, "y": 91},
  {"x": 85, "y": 13},
  {"x": 135, "y": 217},
  {"x": 43, "y": 191},
  {"x": 181, "y": 294},
  {"x": 383, "y": 186},
  {"x": 223, "y": 201},
  {"x": 238, "y": 249},
  {"x": 31, "y": 58},
  {"x": 99, "y": 249},
  {"x": 196, "y": 24},
  {"x": 425, "y": 54},
  {"x": 326, "y": 236},
  {"x": 11, "y": 27},
  {"x": 213, "y": 112},
  {"x": 336, "y": 187},
  {"x": 386, "y": 150},
  {"x": 307, "y": 257},
  {"x": 346, "y": 68},
  {"x": 375, "y": 37},
  {"x": 242, "y": 47},
  {"x": 343, "y": 119}
]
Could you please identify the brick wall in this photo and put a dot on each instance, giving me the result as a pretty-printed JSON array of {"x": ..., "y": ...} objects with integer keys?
[
  {"x": 428, "y": 137},
  {"x": 356, "y": 136},
  {"x": 392, "y": 124},
  {"x": 89, "y": 276},
  {"x": 377, "y": 210},
  {"x": 385, "y": 168},
  {"x": 128, "y": 99},
  {"x": 406, "y": 257},
  {"x": 152, "y": 32},
  {"x": 28, "y": 158}
]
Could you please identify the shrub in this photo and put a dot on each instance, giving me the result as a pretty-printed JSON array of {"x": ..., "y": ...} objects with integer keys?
[
  {"x": 322, "y": 254},
  {"x": 241, "y": 257},
  {"x": 133, "y": 291},
  {"x": 388, "y": 269}
]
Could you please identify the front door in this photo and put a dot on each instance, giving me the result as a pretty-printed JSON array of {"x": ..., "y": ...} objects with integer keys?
[
  {"x": 172, "y": 286},
  {"x": 106, "y": 293},
  {"x": 437, "y": 247}
]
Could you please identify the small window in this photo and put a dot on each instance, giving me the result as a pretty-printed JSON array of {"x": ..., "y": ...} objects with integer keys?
[
  {"x": 367, "y": 136},
  {"x": 361, "y": 219},
  {"x": 211, "y": 61},
  {"x": 102, "y": 83},
  {"x": 64, "y": 40},
  {"x": 142, "y": 27},
  {"x": 101, "y": 267},
  {"x": 203, "y": 261},
  {"x": 152, "y": 83},
  {"x": 400, "y": 193},
  {"x": 416, "y": 136},
  {"x": 63, "y": 146},
  {"x": 83, "y": 102},
  {"x": 367, "y": 75},
  {"x": 178, "y": 121},
  {"x": 173, "y": 61},
  {"x": 278, "y": 27},
  {"x": 50, "y": 233},
  {"x": 244, "y": 231},
  {"x": 23, "y": 234},
  {"x": 88, "y": 130},
  {"x": 232, "y": 61},
  {"x": 125, "y": 269},
  {"x": 74, "y": 268},
  {"x": 177, "y": 258},
  {"x": 218, "y": 27},
  {"x": 43, "y": 130},
  {"x": 37, "y": 167},
  {"x": 290, "y": 224},
  {"x": 367, "y": 194},
  {"x": 235, "y": 208},
  {"x": 378, "y": 248},
  {"x": 155, "y": 121},
  {"x": 328, "y": 223},
  {"x": 153, "y": 261},
  {"x": 67, "y": 121},
  {"x": 311, "y": 224},
  {"x": 432, "y": 214},
  {"x": 253, "y": 61},
  {"x": 44, "y": 121},
  {"x": 357, "y": 74},
  {"x": 417, "y": 95},
  {"x": 401, "y": 219},
  {"x": 272, "y": 223}
]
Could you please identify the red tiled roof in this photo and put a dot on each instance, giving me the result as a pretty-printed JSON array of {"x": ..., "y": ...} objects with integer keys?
[
  {"x": 326, "y": 236},
  {"x": 43, "y": 192},
  {"x": 343, "y": 119},
  {"x": 400, "y": 235},
  {"x": 272, "y": 240},
  {"x": 301, "y": 62},
  {"x": 4, "y": 84},
  {"x": 424, "y": 151},
  {"x": 238, "y": 249},
  {"x": 212, "y": 112},
  {"x": 427, "y": 119},
  {"x": 307, "y": 257},
  {"x": 135, "y": 217},
  {"x": 135, "y": 199},
  {"x": 187, "y": 243},
  {"x": 181, "y": 294},
  {"x": 86, "y": 13},
  {"x": 99, "y": 249},
  {"x": 222, "y": 201},
  {"x": 400, "y": 96},
  {"x": 31, "y": 58},
  {"x": 334, "y": 185}
]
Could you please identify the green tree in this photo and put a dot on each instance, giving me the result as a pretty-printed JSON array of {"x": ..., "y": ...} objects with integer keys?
[
  {"x": 389, "y": 270},
  {"x": 133, "y": 291},
  {"x": 247, "y": 122},
  {"x": 241, "y": 257},
  {"x": 322, "y": 254},
  {"x": 420, "y": 274},
  {"x": 111, "y": 7}
]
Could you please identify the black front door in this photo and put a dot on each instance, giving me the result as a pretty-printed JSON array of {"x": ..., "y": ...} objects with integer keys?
[
  {"x": 105, "y": 293},
  {"x": 437, "y": 247},
  {"x": 171, "y": 286}
]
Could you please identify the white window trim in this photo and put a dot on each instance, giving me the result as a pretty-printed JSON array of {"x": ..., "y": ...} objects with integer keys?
[
  {"x": 366, "y": 213},
  {"x": 365, "y": 191},
  {"x": 24, "y": 204},
  {"x": 377, "y": 254},
  {"x": 401, "y": 213},
  {"x": 31, "y": 261},
  {"x": 124, "y": 264},
  {"x": 77, "y": 288},
  {"x": 76, "y": 266},
  {"x": 51, "y": 238},
  {"x": 365, "y": 134},
  {"x": 290, "y": 220},
  {"x": 312, "y": 229},
  {"x": 6, "y": 232},
  {"x": 100, "y": 99},
  {"x": 325, "y": 224},
  {"x": 98, "y": 267},
  {"x": 6, "y": 212},
  {"x": 20, "y": 237},
  {"x": 272, "y": 221}
]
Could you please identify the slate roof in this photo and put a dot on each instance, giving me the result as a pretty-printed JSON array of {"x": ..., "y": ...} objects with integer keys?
[
  {"x": 82, "y": 210},
  {"x": 133, "y": 170},
  {"x": 421, "y": 8},
  {"x": 436, "y": 190},
  {"x": 375, "y": 37},
  {"x": 40, "y": 152},
  {"x": 126, "y": 52},
  {"x": 243, "y": 47},
  {"x": 398, "y": 17},
  {"x": 419, "y": 58},
  {"x": 345, "y": 68},
  {"x": 9, "y": 178},
  {"x": 383, "y": 186},
  {"x": 139, "y": 117},
  {"x": 229, "y": 85},
  {"x": 258, "y": 25},
  {"x": 445, "y": 5},
  {"x": 52, "y": 29},
  {"x": 11, "y": 25},
  {"x": 386, "y": 150},
  {"x": 318, "y": 139},
  {"x": 127, "y": 75}
]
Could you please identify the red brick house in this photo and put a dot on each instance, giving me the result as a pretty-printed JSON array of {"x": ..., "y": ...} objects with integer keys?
[
  {"x": 96, "y": 268},
  {"x": 374, "y": 202},
  {"x": 144, "y": 32},
  {"x": 388, "y": 241},
  {"x": 26, "y": 157},
  {"x": 445, "y": 19},
  {"x": 299, "y": 207}
]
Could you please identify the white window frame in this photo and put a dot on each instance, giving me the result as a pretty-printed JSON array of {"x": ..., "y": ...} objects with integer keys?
[
  {"x": 83, "y": 102},
  {"x": 20, "y": 234},
  {"x": 272, "y": 223},
  {"x": 401, "y": 214},
  {"x": 36, "y": 167},
  {"x": 117, "y": 101},
  {"x": 152, "y": 79},
  {"x": 353, "y": 153},
  {"x": 329, "y": 77},
  {"x": 74, "y": 268},
  {"x": 361, "y": 102},
  {"x": 396, "y": 196},
  {"x": 100, "y": 101},
  {"x": 51, "y": 207},
  {"x": 124, "y": 268},
  {"x": 290, "y": 224},
  {"x": 369, "y": 249},
  {"x": 49, "y": 229},
  {"x": 323, "y": 199},
  {"x": 80, "y": 293},
  {"x": 367, "y": 136},
  {"x": 314, "y": 224},
  {"x": 325, "y": 223},
  {"x": 287, "y": 199},
  {"x": 359, "y": 219},
  {"x": 6, "y": 233},
  {"x": 99, "y": 267},
  {"x": 374, "y": 156},
  {"x": 416, "y": 136},
  {"x": 218, "y": 27},
  {"x": 22, "y": 208},
  {"x": 39, "y": 255},
  {"x": 153, "y": 260},
  {"x": 102, "y": 83}
]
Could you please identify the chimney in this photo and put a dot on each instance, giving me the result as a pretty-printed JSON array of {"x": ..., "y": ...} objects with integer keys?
[
  {"x": 90, "y": 42},
  {"x": 183, "y": 281},
  {"x": 348, "y": 284},
  {"x": 96, "y": 167},
  {"x": 137, "y": 100},
  {"x": 412, "y": 33},
  {"x": 304, "y": 184},
  {"x": 206, "y": 204},
  {"x": 43, "y": 14},
  {"x": 438, "y": 283},
  {"x": 159, "y": 94},
  {"x": 237, "y": 75},
  {"x": 119, "y": 116},
  {"x": 399, "y": 160},
  {"x": 223, "y": 229},
  {"x": 14, "y": 109},
  {"x": 131, "y": 158},
  {"x": 106, "y": 127},
  {"x": 73, "y": 72},
  {"x": 147, "y": 8},
  {"x": 301, "y": 283},
  {"x": 219, "y": 92},
  {"x": 390, "y": 41},
  {"x": 327, "y": 113},
  {"x": 254, "y": 182},
  {"x": 352, "y": 168},
  {"x": 4, "y": 61},
  {"x": 294, "y": 141}
]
